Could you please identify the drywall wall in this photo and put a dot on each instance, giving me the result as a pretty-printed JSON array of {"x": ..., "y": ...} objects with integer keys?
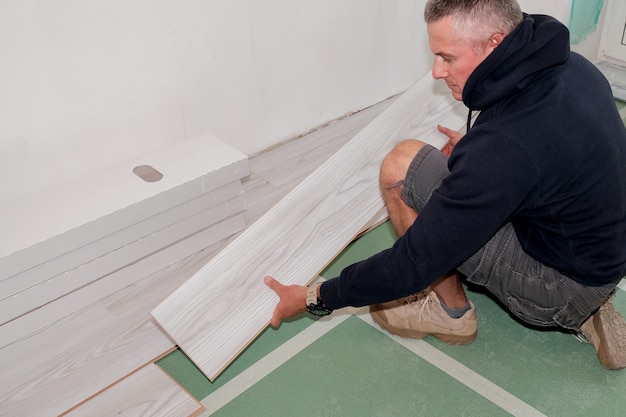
[
  {"x": 557, "y": 8},
  {"x": 87, "y": 83}
]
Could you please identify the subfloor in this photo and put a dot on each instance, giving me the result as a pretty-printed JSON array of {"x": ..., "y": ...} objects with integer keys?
[{"x": 344, "y": 365}]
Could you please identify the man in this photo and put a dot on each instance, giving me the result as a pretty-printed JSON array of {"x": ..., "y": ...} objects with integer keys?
[{"x": 530, "y": 204}]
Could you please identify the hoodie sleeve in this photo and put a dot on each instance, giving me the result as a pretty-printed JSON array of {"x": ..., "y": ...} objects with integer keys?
[{"x": 490, "y": 178}]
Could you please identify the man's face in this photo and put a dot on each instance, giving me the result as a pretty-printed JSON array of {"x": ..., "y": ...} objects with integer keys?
[{"x": 455, "y": 59}]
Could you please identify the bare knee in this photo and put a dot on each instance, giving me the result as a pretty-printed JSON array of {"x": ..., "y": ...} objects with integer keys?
[{"x": 396, "y": 163}]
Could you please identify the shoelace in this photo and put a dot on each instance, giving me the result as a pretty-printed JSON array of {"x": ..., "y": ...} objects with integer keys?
[{"x": 423, "y": 298}]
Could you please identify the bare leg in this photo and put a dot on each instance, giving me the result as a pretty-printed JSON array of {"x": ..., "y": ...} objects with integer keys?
[
  {"x": 449, "y": 290},
  {"x": 392, "y": 173}
]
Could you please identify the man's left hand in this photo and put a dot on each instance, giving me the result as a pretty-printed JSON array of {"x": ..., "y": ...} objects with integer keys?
[{"x": 453, "y": 136}]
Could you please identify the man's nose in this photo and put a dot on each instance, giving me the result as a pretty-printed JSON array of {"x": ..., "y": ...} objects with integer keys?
[{"x": 439, "y": 70}]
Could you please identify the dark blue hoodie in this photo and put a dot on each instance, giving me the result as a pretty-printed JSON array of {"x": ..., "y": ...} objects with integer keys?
[{"x": 547, "y": 153}]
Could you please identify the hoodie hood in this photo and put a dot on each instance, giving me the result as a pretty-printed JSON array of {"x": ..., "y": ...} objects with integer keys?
[{"x": 539, "y": 42}]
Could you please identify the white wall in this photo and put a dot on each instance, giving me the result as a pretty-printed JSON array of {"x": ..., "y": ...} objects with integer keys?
[
  {"x": 557, "y": 8},
  {"x": 85, "y": 83}
]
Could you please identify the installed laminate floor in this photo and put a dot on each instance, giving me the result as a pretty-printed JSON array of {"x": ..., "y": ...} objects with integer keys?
[{"x": 346, "y": 366}]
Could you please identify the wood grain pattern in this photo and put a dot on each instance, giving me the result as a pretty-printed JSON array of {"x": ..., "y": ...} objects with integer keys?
[
  {"x": 273, "y": 174},
  {"x": 225, "y": 305},
  {"x": 149, "y": 392},
  {"x": 50, "y": 370}
]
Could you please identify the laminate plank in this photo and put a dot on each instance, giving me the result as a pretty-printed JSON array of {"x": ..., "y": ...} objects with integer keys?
[
  {"x": 288, "y": 164},
  {"x": 56, "y": 221},
  {"x": 61, "y": 308},
  {"x": 67, "y": 362},
  {"x": 51, "y": 370},
  {"x": 58, "y": 286},
  {"x": 149, "y": 392},
  {"x": 80, "y": 256},
  {"x": 224, "y": 306},
  {"x": 276, "y": 172}
]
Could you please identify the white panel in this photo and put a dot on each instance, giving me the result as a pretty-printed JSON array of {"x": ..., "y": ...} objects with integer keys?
[{"x": 55, "y": 221}]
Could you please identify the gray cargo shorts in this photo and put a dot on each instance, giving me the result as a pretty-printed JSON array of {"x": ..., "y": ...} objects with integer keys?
[{"x": 534, "y": 292}]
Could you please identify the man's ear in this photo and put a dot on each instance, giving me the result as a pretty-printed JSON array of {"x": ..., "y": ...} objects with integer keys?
[{"x": 496, "y": 39}]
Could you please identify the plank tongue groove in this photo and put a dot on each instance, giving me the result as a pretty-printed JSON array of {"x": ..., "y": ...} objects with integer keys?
[{"x": 225, "y": 305}]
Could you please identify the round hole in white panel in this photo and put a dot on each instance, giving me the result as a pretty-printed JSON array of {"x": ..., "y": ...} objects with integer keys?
[{"x": 147, "y": 173}]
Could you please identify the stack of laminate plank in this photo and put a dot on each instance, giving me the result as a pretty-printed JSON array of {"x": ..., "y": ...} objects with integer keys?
[
  {"x": 65, "y": 250},
  {"x": 63, "y": 239},
  {"x": 90, "y": 351}
]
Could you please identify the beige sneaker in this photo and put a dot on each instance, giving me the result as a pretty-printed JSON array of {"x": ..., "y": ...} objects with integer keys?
[
  {"x": 420, "y": 315},
  {"x": 606, "y": 331}
]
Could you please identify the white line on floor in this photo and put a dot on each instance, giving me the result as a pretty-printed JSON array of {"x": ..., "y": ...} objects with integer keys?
[
  {"x": 269, "y": 363},
  {"x": 461, "y": 373},
  {"x": 292, "y": 347}
]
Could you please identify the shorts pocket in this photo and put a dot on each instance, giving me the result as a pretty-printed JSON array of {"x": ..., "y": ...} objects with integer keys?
[{"x": 530, "y": 312}]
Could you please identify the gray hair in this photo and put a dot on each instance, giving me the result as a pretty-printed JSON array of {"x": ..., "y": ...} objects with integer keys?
[{"x": 476, "y": 20}]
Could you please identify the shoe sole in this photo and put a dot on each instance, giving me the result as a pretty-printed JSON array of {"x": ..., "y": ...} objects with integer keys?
[{"x": 380, "y": 319}]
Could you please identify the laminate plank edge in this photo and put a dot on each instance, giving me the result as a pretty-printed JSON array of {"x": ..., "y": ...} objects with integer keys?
[
  {"x": 148, "y": 392},
  {"x": 225, "y": 305}
]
